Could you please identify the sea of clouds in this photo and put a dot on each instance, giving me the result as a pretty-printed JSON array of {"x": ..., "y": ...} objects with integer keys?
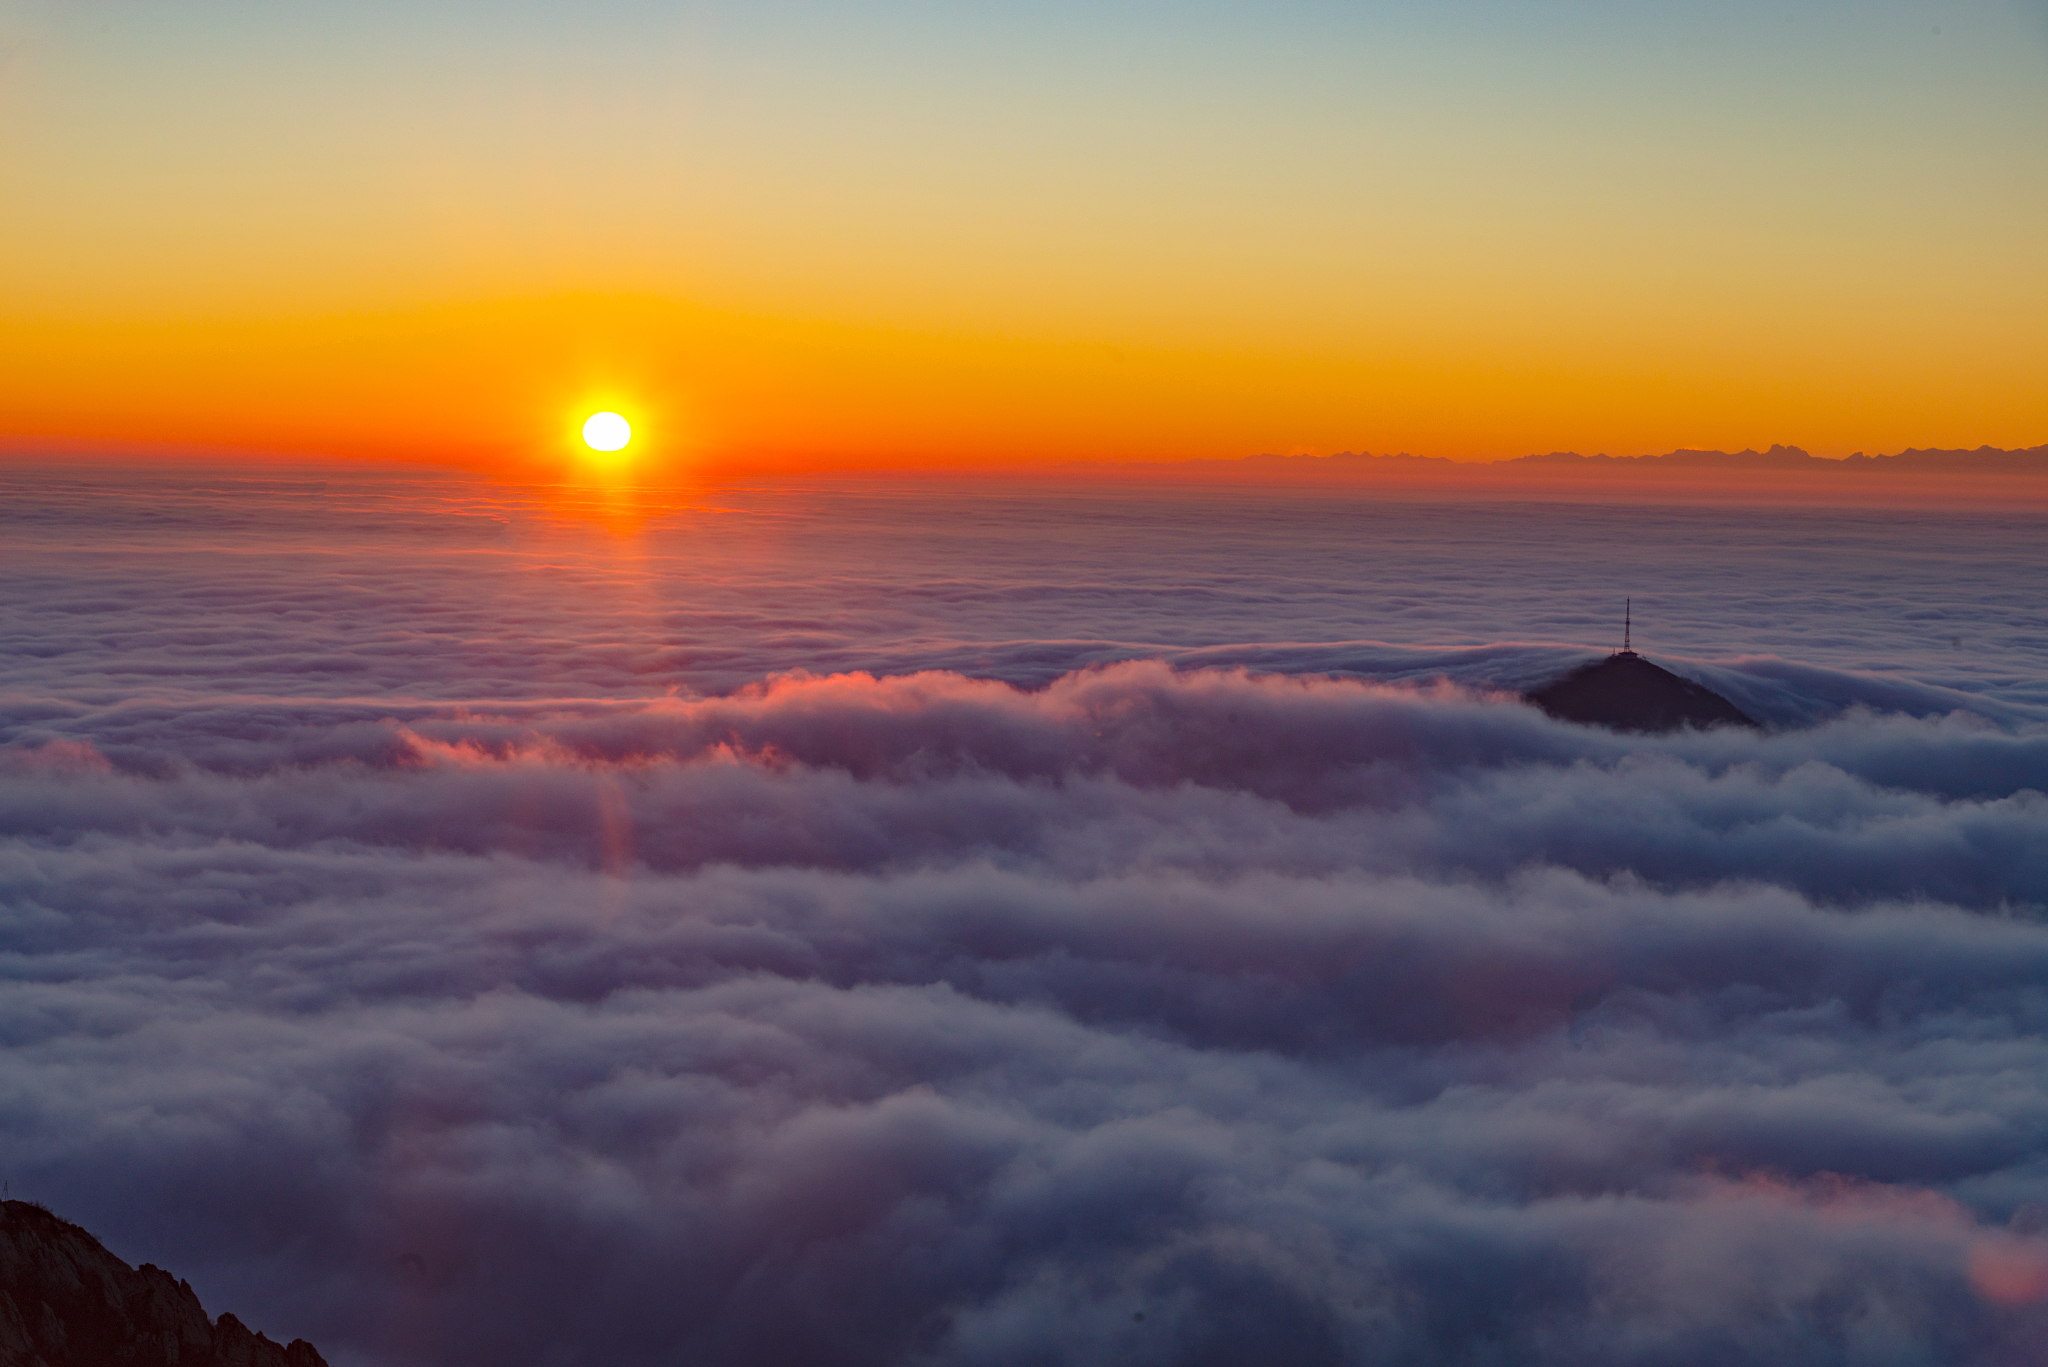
[{"x": 988, "y": 925}]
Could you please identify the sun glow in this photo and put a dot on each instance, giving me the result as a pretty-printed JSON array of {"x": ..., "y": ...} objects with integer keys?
[{"x": 606, "y": 432}]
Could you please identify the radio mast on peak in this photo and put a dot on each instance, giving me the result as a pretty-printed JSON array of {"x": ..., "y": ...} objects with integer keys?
[{"x": 1628, "y": 606}]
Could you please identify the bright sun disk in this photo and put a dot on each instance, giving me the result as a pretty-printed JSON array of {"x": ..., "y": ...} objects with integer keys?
[{"x": 606, "y": 432}]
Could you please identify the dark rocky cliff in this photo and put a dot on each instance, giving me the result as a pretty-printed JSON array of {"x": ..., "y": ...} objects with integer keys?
[
  {"x": 67, "y": 1302},
  {"x": 1628, "y": 693}
]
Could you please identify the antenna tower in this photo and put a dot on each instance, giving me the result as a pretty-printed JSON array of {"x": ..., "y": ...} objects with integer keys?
[{"x": 1628, "y": 606}]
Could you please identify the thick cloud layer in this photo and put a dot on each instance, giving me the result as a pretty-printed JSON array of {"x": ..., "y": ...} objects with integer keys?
[{"x": 1166, "y": 1011}]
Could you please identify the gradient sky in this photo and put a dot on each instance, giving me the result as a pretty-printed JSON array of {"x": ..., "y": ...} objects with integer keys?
[{"x": 829, "y": 234}]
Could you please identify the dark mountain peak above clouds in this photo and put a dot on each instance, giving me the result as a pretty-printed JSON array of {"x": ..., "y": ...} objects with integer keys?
[
  {"x": 67, "y": 1302},
  {"x": 1628, "y": 693}
]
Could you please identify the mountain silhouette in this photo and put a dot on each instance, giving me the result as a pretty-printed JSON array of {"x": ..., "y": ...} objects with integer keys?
[
  {"x": 67, "y": 1302},
  {"x": 1628, "y": 693}
]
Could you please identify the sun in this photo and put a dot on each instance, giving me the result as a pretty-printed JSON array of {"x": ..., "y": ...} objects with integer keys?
[{"x": 606, "y": 432}]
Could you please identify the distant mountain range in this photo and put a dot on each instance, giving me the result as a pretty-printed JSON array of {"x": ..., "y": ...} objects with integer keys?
[
  {"x": 1983, "y": 460},
  {"x": 1987, "y": 460}
]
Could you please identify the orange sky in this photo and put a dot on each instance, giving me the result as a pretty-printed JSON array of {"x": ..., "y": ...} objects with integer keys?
[{"x": 828, "y": 236}]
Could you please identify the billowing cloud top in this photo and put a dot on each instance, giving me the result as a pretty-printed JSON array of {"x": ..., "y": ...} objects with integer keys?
[{"x": 466, "y": 936}]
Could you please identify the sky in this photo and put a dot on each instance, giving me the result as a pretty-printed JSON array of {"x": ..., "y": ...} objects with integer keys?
[
  {"x": 980, "y": 924},
  {"x": 803, "y": 236}
]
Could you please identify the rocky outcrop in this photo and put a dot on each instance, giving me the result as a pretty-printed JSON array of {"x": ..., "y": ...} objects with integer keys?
[
  {"x": 67, "y": 1302},
  {"x": 1628, "y": 693}
]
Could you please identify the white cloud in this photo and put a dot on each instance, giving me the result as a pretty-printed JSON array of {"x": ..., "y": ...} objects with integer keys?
[{"x": 928, "y": 1019}]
